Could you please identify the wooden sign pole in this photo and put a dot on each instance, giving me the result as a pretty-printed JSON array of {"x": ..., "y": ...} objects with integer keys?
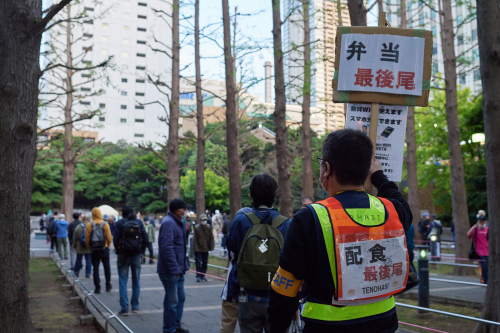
[{"x": 374, "y": 113}]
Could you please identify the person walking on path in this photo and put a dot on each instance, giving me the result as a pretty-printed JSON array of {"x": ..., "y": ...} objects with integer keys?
[
  {"x": 130, "y": 242},
  {"x": 98, "y": 238},
  {"x": 226, "y": 226},
  {"x": 42, "y": 222},
  {"x": 479, "y": 235},
  {"x": 81, "y": 249},
  {"x": 252, "y": 275},
  {"x": 203, "y": 242},
  {"x": 52, "y": 231},
  {"x": 216, "y": 225},
  {"x": 62, "y": 237},
  {"x": 150, "y": 229},
  {"x": 172, "y": 265},
  {"x": 71, "y": 230},
  {"x": 339, "y": 249},
  {"x": 229, "y": 314},
  {"x": 423, "y": 226}
]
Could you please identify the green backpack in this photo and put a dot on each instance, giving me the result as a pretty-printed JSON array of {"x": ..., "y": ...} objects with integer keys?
[{"x": 259, "y": 255}]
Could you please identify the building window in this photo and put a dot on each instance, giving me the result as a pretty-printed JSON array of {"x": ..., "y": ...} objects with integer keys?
[
  {"x": 85, "y": 75},
  {"x": 139, "y": 120},
  {"x": 123, "y": 107},
  {"x": 140, "y": 94},
  {"x": 125, "y": 41},
  {"x": 141, "y": 68},
  {"x": 88, "y": 35},
  {"x": 139, "y": 107},
  {"x": 124, "y": 79},
  {"x": 460, "y": 19},
  {"x": 421, "y": 19},
  {"x": 475, "y": 55},
  {"x": 435, "y": 68},
  {"x": 105, "y": 25},
  {"x": 142, "y": 55},
  {"x": 126, "y": 15},
  {"x": 125, "y": 54},
  {"x": 88, "y": 63},
  {"x": 101, "y": 119},
  {"x": 141, "y": 16},
  {"x": 141, "y": 29},
  {"x": 143, "y": 4},
  {"x": 463, "y": 79},
  {"x": 433, "y": 14},
  {"x": 104, "y": 38},
  {"x": 477, "y": 75},
  {"x": 104, "y": 51},
  {"x": 140, "y": 81},
  {"x": 123, "y": 120},
  {"x": 460, "y": 39},
  {"x": 85, "y": 89},
  {"x": 89, "y": 9},
  {"x": 474, "y": 34},
  {"x": 141, "y": 42},
  {"x": 89, "y": 22},
  {"x": 87, "y": 48},
  {"x": 125, "y": 27},
  {"x": 84, "y": 103},
  {"x": 124, "y": 66},
  {"x": 124, "y": 93},
  {"x": 139, "y": 135},
  {"x": 434, "y": 31},
  {"x": 102, "y": 105}
]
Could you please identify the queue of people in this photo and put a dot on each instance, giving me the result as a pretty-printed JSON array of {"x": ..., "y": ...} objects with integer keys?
[{"x": 345, "y": 256}]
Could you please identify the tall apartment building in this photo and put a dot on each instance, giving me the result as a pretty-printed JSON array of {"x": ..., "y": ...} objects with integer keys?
[
  {"x": 420, "y": 16},
  {"x": 126, "y": 30},
  {"x": 324, "y": 22}
]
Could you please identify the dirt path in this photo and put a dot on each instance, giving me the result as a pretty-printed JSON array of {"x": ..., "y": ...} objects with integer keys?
[{"x": 49, "y": 304}]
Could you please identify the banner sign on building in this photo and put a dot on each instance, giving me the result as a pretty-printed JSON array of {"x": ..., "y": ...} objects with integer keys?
[
  {"x": 381, "y": 63},
  {"x": 391, "y": 129}
]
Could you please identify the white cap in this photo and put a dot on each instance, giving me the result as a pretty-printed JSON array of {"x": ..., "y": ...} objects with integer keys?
[
  {"x": 217, "y": 211},
  {"x": 62, "y": 216}
]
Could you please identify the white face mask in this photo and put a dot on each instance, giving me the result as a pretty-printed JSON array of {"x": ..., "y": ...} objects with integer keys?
[
  {"x": 204, "y": 222},
  {"x": 185, "y": 214}
]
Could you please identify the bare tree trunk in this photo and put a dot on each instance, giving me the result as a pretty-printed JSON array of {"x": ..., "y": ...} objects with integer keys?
[
  {"x": 233, "y": 157},
  {"x": 411, "y": 151},
  {"x": 19, "y": 74},
  {"x": 307, "y": 173},
  {"x": 173, "y": 191},
  {"x": 200, "y": 158},
  {"x": 284, "y": 183},
  {"x": 339, "y": 13},
  {"x": 380, "y": 6},
  {"x": 68, "y": 181},
  {"x": 488, "y": 16},
  {"x": 357, "y": 12},
  {"x": 458, "y": 196}
]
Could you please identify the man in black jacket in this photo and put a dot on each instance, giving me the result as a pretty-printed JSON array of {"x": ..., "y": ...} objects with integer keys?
[
  {"x": 71, "y": 229},
  {"x": 130, "y": 243},
  {"x": 344, "y": 167}
]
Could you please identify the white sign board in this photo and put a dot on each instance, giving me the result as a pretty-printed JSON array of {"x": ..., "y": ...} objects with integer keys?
[
  {"x": 381, "y": 63},
  {"x": 372, "y": 268},
  {"x": 391, "y": 130}
]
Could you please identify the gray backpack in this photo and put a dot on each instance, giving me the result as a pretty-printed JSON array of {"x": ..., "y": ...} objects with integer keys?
[
  {"x": 259, "y": 255},
  {"x": 97, "y": 239}
]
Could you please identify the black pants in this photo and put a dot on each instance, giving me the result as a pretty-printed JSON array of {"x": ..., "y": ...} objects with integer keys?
[
  {"x": 97, "y": 257},
  {"x": 53, "y": 243},
  {"x": 201, "y": 259},
  {"x": 150, "y": 248}
]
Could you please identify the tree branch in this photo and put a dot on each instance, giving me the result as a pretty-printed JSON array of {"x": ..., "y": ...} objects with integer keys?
[{"x": 50, "y": 15}]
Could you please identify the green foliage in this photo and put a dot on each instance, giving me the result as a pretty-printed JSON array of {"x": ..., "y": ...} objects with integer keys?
[
  {"x": 47, "y": 187},
  {"x": 216, "y": 190},
  {"x": 433, "y": 150}
]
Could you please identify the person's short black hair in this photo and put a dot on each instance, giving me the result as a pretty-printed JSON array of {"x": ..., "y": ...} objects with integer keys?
[
  {"x": 56, "y": 213},
  {"x": 176, "y": 204},
  {"x": 263, "y": 189},
  {"x": 76, "y": 215},
  {"x": 482, "y": 218},
  {"x": 349, "y": 153},
  {"x": 128, "y": 212}
]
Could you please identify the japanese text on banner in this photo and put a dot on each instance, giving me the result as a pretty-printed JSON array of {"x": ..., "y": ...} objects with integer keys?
[
  {"x": 381, "y": 63},
  {"x": 391, "y": 131}
]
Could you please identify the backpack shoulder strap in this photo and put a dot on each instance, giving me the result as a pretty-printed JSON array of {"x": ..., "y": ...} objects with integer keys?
[
  {"x": 279, "y": 220},
  {"x": 253, "y": 218}
]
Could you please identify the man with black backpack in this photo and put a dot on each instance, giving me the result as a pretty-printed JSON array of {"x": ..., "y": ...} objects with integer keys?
[
  {"x": 256, "y": 239},
  {"x": 130, "y": 242},
  {"x": 98, "y": 238}
]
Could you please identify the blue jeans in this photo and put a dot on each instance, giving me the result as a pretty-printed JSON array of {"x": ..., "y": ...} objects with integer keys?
[
  {"x": 484, "y": 269},
  {"x": 123, "y": 263},
  {"x": 173, "y": 303},
  {"x": 79, "y": 265}
]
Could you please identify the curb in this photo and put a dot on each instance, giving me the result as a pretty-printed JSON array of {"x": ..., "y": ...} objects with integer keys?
[
  {"x": 445, "y": 300},
  {"x": 92, "y": 314}
]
